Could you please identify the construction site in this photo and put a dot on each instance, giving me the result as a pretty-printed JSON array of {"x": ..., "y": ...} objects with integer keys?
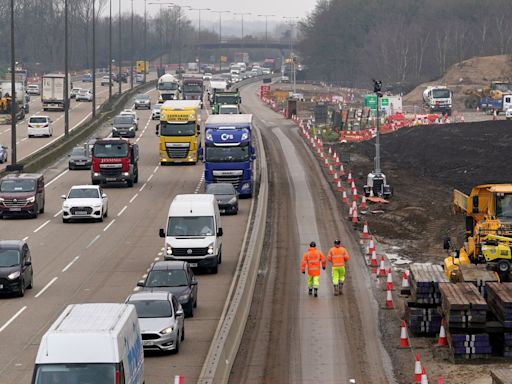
[{"x": 438, "y": 249}]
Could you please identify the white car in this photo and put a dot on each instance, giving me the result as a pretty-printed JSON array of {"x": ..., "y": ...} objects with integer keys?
[
  {"x": 105, "y": 80},
  {"x": 39, "y": 126},
  {"x": 84, "y": 94},
  {"x": 131, "y": 112},
  {"x": 74, "y": 92},
  {"x": 155, "y": 112},
  {"x": 207, "y": 76},
  {"x": 84, "y": 202},
  {"x": 33, "y": 89},
  {"x": 508, "y": 113}
]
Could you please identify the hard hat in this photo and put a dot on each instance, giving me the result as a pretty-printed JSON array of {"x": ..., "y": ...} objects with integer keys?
[
  {"x": 312, "y": 244},
  {"x": 337, "y": 242}
]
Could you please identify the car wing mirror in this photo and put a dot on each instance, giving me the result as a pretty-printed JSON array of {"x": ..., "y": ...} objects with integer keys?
[
  {"x": 28, "y": 263},
  {"x": 140, "y": 283},
  {"x": 194, "y": 282},
  {"x": 62, "y": 196},
  {"x": 220, "y": 232},
  {"x": 179, "y": 312},
  {"x": 161, "y": 232},
  {"x": 104, "y": 195}
]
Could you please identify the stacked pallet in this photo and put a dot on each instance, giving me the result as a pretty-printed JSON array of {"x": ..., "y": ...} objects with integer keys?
[
  {"x": 499, "y": 297},
  {"x": 479, "y": 275},
  {"x": 424, "y": 281},
  {"x": 423, "y": 320},
  {"x": 501, "y": 376},
  {"x": 470, "y": 346}
]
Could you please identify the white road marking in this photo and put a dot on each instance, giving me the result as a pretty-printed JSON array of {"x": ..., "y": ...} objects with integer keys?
[
  {"x": 46, "y": 287},
  {"x": 122, "y": 210},
  {"x": 109, "y": 225},
  {"x": 156, "y": 169},
  {"x": 150, "y": 177},
  {"x": 143, "y": 186},
  {"x": 25, "y": 238},
  {"x": 58, "y": 213},
  {"x": 157, "y": 258},
  {"x": 41, "y": 226},
  {"x": 25, "y": 138},
  {"x": 134, "y": 197},
  {"x": 93, "y": 241},
  {"x": 13, "y": 318},
  {"x": 70, "y": 264},
  {"x": 160, "y": 253},
  {"x": 57, "y": 177}
]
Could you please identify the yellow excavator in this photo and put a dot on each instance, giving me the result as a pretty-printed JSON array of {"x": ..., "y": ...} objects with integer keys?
[
  {"x": 488, "y": 240},
  {"x": 5, "y": 110},
  {"x": 495, "y": 90}
]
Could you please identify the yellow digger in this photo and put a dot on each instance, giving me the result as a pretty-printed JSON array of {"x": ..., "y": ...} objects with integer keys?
[
  {"x": 488, "y": 240},
  {"x": 5, "y": 110}
]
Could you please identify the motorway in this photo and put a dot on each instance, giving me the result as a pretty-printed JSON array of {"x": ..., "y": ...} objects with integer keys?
[
  {"x": 292, "y": 337},
  {"x": 102, "y": 262}
]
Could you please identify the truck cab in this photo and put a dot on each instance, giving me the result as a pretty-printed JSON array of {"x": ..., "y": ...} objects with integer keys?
[
  {"x": 226, "y": 97},
  {"x": 115, "y": 160},
  {"x": 168, "y": 88}
]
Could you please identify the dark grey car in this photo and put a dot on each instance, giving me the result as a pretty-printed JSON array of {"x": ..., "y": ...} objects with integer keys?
[
  {"x": 226, "y": 196},
  {"x": 142, "y": 101},
  {"x": 175, "y": 277},
  {"x": 80, "y": 158},
  {"x": 3, "y": 154},
  {"x": 123, "y": 126},
  {"x": 16, "y": 273}
]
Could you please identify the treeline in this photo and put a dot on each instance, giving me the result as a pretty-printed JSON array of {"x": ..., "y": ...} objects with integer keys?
[
  {"x": 402, "y": 42},
  {"x": 39, "y": 34}
]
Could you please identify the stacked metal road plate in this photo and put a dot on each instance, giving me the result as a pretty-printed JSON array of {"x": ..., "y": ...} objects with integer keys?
[{"x": 465, "y": 311}]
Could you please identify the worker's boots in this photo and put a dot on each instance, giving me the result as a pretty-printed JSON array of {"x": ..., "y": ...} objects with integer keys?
[
  {"x": 340, "y": 287},
  {"x": 336, "y": 290},
  {"x": 316, "y": 292},
  {"x": 310, "y": 291}
]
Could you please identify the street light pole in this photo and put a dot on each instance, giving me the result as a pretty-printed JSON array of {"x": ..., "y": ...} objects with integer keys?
[
  {"x": 161, "y": 30},
  {"x": 220, "y": 35},
  {"x": 93, "y": 59},
  {"x": 145, "y": 40},
  {"x": 242, "y": 14},
  {"x": 13, "y": 90},
  {"x": 66, "y": 71},
  {"x": 292, "y": 56},
  {"x": 110, "y": 52},
  {"x": 199, "y": 32},
  {"x": 131, "y": 56},
  {"x": 120, "y": 52},
  {"x": 266, "y": 28}
]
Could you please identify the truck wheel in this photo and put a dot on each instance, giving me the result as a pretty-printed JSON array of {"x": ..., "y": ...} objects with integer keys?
[{"x": 503, "y": 266}]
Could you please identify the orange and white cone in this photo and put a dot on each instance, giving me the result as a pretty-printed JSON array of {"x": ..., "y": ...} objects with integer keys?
[
  {"x": 335, "y": 178},
  {"x": 354, "y": 215},
  {"x": 326, "y": 162},
  {"x": 350, "y": 209},
  {"x": 371, "y": 193},
  {"x": 330, "y": 152},
  {"x": 366, "y": 234},
  {"x": 337, "y": 160},
  {"x": 424, "y": 378},
  {"x": 344, "y": 197},
  {"x": 371, "y": 247},
  {"x": 389, "y": 300},
  {"x": 331, "y": 170},
  {"x": 342, "y": 171},
  {"x": 363, "y": 202},
  {"x": 339, "y": 188},
  {"x": 405, "y": 289},
  {"x": 443, "y": 341},
  {"x": 404, "y": 338},
  {"x": 440, "y": 380},
  {"x": 373, "y": 260},
  {"x": 349, "y": 177},
  {"x": 389, "y": 281},
  {"x": 382, "y": 268},
  {"x": 178, "y": 379},
  {"x": 355, "y": 196},
  {"x": 417, "y": 369},
  {"x": 354, "y": 206},
  {"x": 352, "y": 185}
]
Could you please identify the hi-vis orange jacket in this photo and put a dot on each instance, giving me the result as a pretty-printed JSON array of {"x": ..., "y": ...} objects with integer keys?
[
  {"x": 312, "y": 259},
  {"x": 338, "y": 256}
]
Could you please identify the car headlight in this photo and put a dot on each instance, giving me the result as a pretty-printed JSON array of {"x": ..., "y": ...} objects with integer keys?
[
  {"x": 114, "y": 128},
  {"x": 31, "y": 199},
  {"x": 96, "y": 205},
  {"x": 245, "y": 186},
  {"x": 14, "y": 275},
  {"x": 166, "y": 331},
  {"x": 183, "y": 298},
  {"x": 210, "y": 249},
  {"x": 132, "y": 128},
  {"x": 232, "y": 200},
  {"x": 96, "y": 174},
  {"x": 169, "y": 250},
  {"x": 65, "y": 206},
  {"x": 126, "y": 174},
  {"x": 209, "y": 137},
  {"x": 1, "y": 199}
]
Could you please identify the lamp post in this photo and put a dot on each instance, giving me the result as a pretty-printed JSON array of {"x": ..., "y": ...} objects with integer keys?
[
  {"x": 131, "y": 49},
  {"x": 119, "y": 61},
  {"x": 220, "y": 35},
  {"x": 199, "y": 32},
  {"x": 66, "y": 71},
  {"x": 145, "y": 40},
  {"x": 13, "y": 90},
  {"x": 266, "y": 28},
  {"x": 93, "y": 59},
  {"x": 242, "y": 14},
  {"x": 292, "y": 56},
  {"x": 109, "y": 51}
]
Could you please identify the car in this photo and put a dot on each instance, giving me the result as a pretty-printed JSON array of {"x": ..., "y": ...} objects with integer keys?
[
  {"x": 33, "y": 89},
  {"x": 228, "y": 109},
  {"x": 142, "y": 101},
  {"x": 226, "y": 196},
  {"x": 3, "y": 154},
  {"x": 175, "y": 277},
  {"x": 84, "y": 94},
  {"x": 124, "y": 126},
  {"x": 207, "y": 76},
  {"x": 508, "y": 113},
  {"x": 22, "y": 194},
  {"x": 284, "y": 79},
  {"x": 87, "y": 78},
  {"x": 73, "y": 92},
  {"x": 85, "y": 202},
  {"x": 39, "y": 126},
  {"x": 266, "y": 71},
  {"x": 161, "y": 320},
  {"x": 90, "y": 144},
  {"x": 155, "y": 113},
  {"x": 132, "y": 113},
  {"x": 80, "y": 158},
  {"x": 16, "y": 273},
  {"x": 105, "y": 80}
]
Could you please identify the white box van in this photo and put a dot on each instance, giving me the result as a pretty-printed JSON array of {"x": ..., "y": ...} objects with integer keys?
[
  {"x": 92, "y": 344},
  {"x": 193, "y": 231}
]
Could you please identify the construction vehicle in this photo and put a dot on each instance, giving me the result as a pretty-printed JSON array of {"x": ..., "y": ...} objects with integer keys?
[
  {"x": 5, "y": 109},
  {"x": 226, "y": 97},
  {"x": 488, "y": 240},
  {"x": 495, "y": 90},
  {"x": 438, "y": 99}
]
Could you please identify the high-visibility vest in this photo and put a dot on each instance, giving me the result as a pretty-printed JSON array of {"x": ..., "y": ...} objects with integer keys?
[
  {"x": 338, "y": 256},
  {"x": 312, "y": 259}
]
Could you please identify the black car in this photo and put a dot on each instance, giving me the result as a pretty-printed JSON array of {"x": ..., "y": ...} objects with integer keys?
[
  {"x": 226, "y": 196},
  {"x": 123, "y": 126},
  {"x": 80, "y": 158},
  {"x": 16, "y": 273},
  {"x": 175, "y": 277}
]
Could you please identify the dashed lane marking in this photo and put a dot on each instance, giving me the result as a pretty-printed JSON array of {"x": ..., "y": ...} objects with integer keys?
[
  {"x": 70, "y": 264},
  {"x": 93, "y": 241},
  {"x": 133, "y": 198},
  {"x": 46, "y": 287},
  {"x": 109, "y": 225},
  {"x": 13, "y": 318},
  {"x": 122, "y": 210},
  {"x": 41, "y": 226}
]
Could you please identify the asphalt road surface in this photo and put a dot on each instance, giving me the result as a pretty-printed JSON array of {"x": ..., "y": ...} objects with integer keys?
[
  {"x": 292, "y": 337},
  {"x": 102, "y": 262}
]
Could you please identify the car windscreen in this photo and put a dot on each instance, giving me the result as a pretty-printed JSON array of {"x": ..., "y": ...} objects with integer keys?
[
  {"x": 110, "y": 150},
  {"x": 156, "y": 107},
  {"x": 126, "y": 119},
  {"x": 227, "y": 154},
  {"x": 177, "y": 129},
  {"x": 96, "y": 373},
  {"x": 441, "y": 93},
  {"x": 227, "y": 99},
  {"x": 78, "y": 152},
  {"x": 38, "y": 120},
  {"x": 167, "y": 278},
  {"x": 152, "y": 308},
  {"x": 83, "y": 92},
  {"x": 18, "y": 185},
  {"x": 220, "y": 189},
  {"x": 168, "y": 86},
  {"x": 9, "y": 257},
  {"x": 190, "y": 226},
  {"x": 504, "y": 206},
  {"x": 193, "y": 87},
  {"x": 83, "y": 193},
  {"x": 229, "y": 110},
  {"x": 142, "y": 97}
]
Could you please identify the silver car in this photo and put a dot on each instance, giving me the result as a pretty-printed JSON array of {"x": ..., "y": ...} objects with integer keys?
[
  {"x": 155, "y": 113},
  {"x": 161, "y": 320}
]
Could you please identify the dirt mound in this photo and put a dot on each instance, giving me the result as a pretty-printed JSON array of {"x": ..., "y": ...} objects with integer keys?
[{"x": 472, "y": 73}]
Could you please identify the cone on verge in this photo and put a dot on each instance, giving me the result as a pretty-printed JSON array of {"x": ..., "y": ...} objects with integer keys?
[
  {"x": 354, "y": 215},
  {"x": 371, "y": 247},
  {"x": 404, "y": 338},
  {"x": 344, "y": 198},
  {"x": 440, "y": 380},
  {"x": 382, "y": 268},
  {"x": 424, "y": 378},
  {"x": 405, "y": 289},
  {"x": 350, "y": 209},
  {"x": 335, "y": 179},
  {"x": 363, "y": 202},
  {"x": 373, "y": 261},
  {"x": 366, "y": 234},
  {"x": 354, "y": 195},
  {"x": 349, "y": 177},
  {"x": 443, "y": 341},
  {"x": 342, "y": 171},
  {"x": 417, "y": 369},
  {"x": 339, "y": 188},
  {"x": 389, "y": 281},
  {"x": 389, "y": 300}
]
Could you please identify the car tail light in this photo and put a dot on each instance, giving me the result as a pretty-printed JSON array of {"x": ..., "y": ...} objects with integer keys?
[{"x": 118, "y": 377}]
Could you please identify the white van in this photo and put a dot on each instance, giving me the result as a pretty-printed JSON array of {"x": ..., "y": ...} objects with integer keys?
[
  {"x": 92, "y": 344},
  {"x": 193, "y": 231}
]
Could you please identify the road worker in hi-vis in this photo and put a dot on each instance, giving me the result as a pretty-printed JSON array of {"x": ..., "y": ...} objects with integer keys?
[
  {"x": 338, "y": 256},
  {"x": 312, "y": 259}
]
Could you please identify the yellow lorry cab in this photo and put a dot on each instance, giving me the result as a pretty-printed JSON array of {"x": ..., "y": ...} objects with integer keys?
[{"x": 179, "y": 131}]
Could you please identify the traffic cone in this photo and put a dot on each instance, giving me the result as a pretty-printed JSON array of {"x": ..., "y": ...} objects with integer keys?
[
  {"x": 417, "y": 369},
  {"x": 349, "y": 177},
  {"x": 363, "y": 202},
  {"x": 373, "y": 260},
  {"x": 339, "y": 188},
  {"x": 461, "y": 120},
  {"x": 355, "y": 196},
  {"x": 344, "y": 197},
  {"x": 366, "y": 235},
  {"x": 354, "y": 206},
  {"x": 424, "y": 378},
  {"x": 354, "y": 215},
  {"x": 342, "y": 171},
  {"x": 335, "y": 178},
  {"x": 371, "y": 193},
  {"x": 352, "y": 185},
  {"x": 330, "y": 152},
  {"x": 382, "y": 268},
  {"x": 371, "y": 247},
  {"x": 404, "y": 339},
  {"x": 389, "y": 300},
  {"x": 331, "y": 169},
  {"x": 443, "y": 341},
  {"x": 350, "y": 209},
  {"x": 405, "y": 289},
  {"x": 389, "y": 281},
  {"x": 337, "y": 160},
  {"x": 440, "y": 380}
]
